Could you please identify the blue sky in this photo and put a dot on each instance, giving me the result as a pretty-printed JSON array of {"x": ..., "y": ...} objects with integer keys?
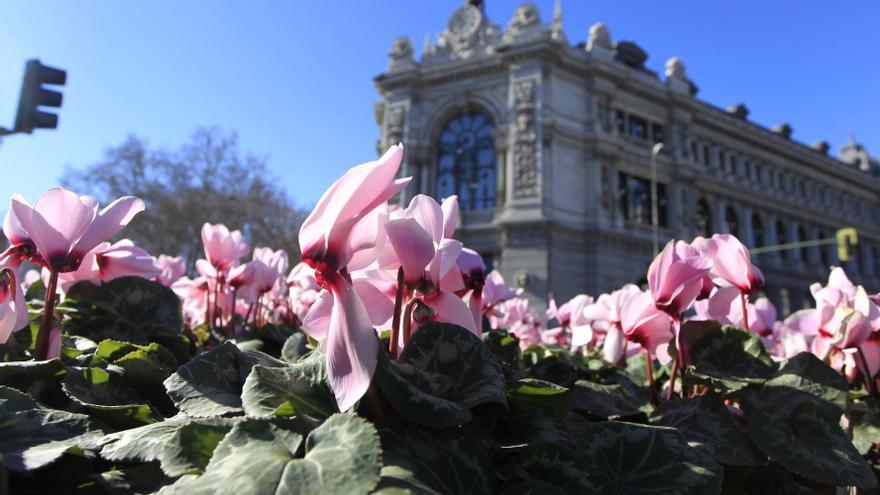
[{"x": 294, "y": 78}]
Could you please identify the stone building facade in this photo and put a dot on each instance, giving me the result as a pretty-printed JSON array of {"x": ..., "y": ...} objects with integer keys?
[{"x": 548, "y": 144}]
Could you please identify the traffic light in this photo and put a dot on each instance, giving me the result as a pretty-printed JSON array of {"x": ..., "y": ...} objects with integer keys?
[
  {"x": 846, "y": 239},
  {"x": 34, "y": 95}
]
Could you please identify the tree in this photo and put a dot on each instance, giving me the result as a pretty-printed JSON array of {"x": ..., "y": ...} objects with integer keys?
[{"x": 207, "y": 180}]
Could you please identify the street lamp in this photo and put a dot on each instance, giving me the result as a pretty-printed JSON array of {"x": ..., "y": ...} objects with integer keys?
[{"x": 655, "y": 223}]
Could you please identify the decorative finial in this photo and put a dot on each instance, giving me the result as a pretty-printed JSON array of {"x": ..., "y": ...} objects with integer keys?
[
  {"x": 426, "y": 47},
  {"x": 556, "y": 28},
  {"x": 599, "y": 38},
  {"x": 675, "y": 69}
]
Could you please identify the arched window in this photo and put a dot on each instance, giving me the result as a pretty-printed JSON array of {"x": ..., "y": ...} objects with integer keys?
[
  {"x": 703, "y": 218},
  {"x": 731, "y": 221},
  {"x": 781, "y": 238},
  {"x": 758, "y": 231},
  {"x": 802, "y": 236},
  {"x": 466, "y": 161}
]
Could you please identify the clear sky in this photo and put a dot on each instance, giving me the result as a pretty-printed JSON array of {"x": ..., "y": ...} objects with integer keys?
[{"x": 294, "y": 78}]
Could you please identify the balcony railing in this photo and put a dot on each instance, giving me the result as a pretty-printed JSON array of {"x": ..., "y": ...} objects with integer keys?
[{"x": 473, "y": 218}]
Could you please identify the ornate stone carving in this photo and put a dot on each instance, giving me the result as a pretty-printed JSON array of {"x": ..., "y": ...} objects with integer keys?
[
  {"x": 600, "y": 37},
  {"x": 395, "y": 125},
  {"x": 401, "y": 54},
  {"x": 526, "y": 15},
  {"x": 675, "y": 69},
  {"x": 467, "y": 32},
  {"x": 525, "y": 159},
  {"x": 401, "y": 47}
]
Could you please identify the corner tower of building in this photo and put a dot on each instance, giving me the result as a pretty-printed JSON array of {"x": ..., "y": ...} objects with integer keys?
[{"x": 548, "y": 146}]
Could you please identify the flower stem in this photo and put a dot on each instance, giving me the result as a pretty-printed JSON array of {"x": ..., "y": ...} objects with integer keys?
[
  {"x": 744, "y": 298},
  {"x": 407, "y": 320},
  {"x": 671, "y": 388},
  {"x": 870, "y": 383},
  {"x": 398, "y": 306},
  {"x": 649, "y": 367},
  {"x": 42, "y": 347}
]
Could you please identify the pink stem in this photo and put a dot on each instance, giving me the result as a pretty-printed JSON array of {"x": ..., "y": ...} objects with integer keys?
[{"x": 42, "y": 347}]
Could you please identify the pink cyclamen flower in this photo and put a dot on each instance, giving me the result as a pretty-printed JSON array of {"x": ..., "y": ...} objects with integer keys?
[
  {"x": 223, "y": 248},
  {"x": 325, "y": 236},
  {"x": 676, "y": 277},
  {"x": 731, "y": 263},
  {"x": 172, "y": 268},
  {"x": 350, "y": 341},
  {"x": 642, "y": 323},
  {"x": 64, "y": 226},
  {"x": 109, "y": 261},
  {"x": 12, "y": 305}
]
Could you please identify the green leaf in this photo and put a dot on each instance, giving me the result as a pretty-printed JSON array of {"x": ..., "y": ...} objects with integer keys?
[
  {"x": 104, "y": 395},
  {"x": 21, "y": 374},
  {"x": 190, "y": 448},
  {"x": 441, "y": 460},
  {"x": 865, "y": 417},
  {"x": 609, "y": 401},
  {"x": 802, "y": 433},
  {"x": 530, "y": 392},
  {"x": 178, "y": 453},
  {"x": 295, "y": 347},
  {"x": 503, "y": 345},
  {"x": 636, "y": 459},
  {"x": 143, "y": 478},
  {"x": 130, "y": 309},
  {"x": 260, "y": 456},
  {"x": 33, "y": 436},
  {"x": 211, "y": 384},
  {"x": 443, "y": 372},
  {"x": 555, "y": 465},
  {"x": 805, "y": 372},
  {"x": 727, "y": 358},
  {"x": 143, "y": 365},
  {"x": 301, "y": 389},
  {"x": 706, "y": 424}
]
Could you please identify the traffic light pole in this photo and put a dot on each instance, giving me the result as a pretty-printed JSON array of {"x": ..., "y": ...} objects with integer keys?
[{"x": 35, "y": 95}]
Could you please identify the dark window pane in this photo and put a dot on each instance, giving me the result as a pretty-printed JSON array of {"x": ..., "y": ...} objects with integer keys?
[
  {"x": 620, "y": 120},
  {"x": 758, "y": 231},
  {"x": 657, "y": 133},
  {"x": 703, "y": 218},
  {"x": 662, "y": 205},
  {"x": 638, "y": 128},
  {"x": 731, "y": 221},
  {"x": 466, "y": 162},
  {"x": 781, "y": 238}
]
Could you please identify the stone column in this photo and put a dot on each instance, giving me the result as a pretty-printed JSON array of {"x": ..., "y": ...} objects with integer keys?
[
  {"x": 746, "y": 231},
  {"x": 720, "y": 209}
]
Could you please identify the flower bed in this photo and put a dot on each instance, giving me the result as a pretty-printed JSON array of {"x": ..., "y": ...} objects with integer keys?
[{"x": 390, "y": 361}]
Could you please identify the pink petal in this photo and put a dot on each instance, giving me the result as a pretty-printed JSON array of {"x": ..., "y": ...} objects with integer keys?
[
  {"x": 445, "y": 258},
  {"x": 108, "y": 222},
  {"x": 375, "y": 295},
  {"x": 449, "y": 206},
  {"x": 12, "y": 225},
  {"x": 351, "y": 345},
  {"x": 428, "y": 214},
  {"x": 614, "y": 345},
  {"x": 413, "y": 246},
  {"x": 358, "y": 191},
  {"x": 449, "y": 308},
  {"x": 317, "y": 320},
  {"x": 59, "y": 219}
]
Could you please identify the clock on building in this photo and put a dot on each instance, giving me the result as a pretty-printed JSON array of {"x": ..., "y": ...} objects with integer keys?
[{"x": 465, "y": 22}]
